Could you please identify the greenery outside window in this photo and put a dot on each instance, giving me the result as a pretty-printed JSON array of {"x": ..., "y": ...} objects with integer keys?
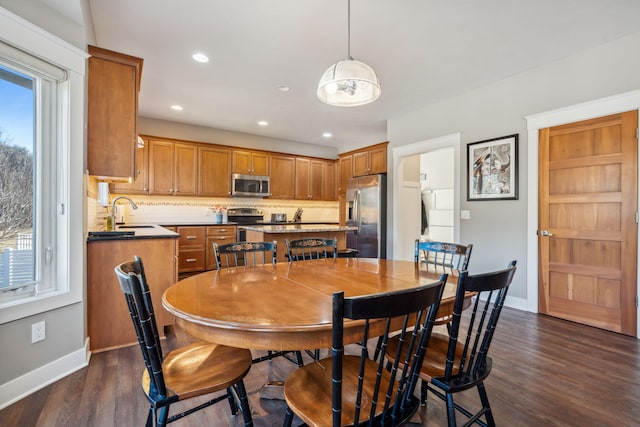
[{"x": 42, "y": 172}]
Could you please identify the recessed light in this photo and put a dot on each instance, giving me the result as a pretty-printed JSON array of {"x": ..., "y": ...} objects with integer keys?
[
  {"x": 177, "y": 107},
  {"x": 327, "y": 134},
  {"x": 283, "y": 88},
  {"x": 200, "y": 57},
  {"x": 263, "y": 123}
]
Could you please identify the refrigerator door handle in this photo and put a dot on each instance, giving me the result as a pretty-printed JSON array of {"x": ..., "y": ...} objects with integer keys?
[{"x": 356, "y": 210}]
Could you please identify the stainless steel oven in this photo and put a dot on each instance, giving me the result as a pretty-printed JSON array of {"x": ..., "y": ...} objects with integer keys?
[{"x": 245, "y": 216}]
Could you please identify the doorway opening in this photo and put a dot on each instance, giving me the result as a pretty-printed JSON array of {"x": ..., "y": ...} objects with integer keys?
[{"x": 407, "y": 192}]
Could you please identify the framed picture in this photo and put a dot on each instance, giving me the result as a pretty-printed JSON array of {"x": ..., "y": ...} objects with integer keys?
[{"x": 492, "y": 169}]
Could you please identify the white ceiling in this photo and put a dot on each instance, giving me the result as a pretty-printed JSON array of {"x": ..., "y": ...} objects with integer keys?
[{"x": 422, "y": 50}]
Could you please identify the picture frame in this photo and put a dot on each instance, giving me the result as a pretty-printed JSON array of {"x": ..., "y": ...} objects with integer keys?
[{"x": 492, "y": 169}]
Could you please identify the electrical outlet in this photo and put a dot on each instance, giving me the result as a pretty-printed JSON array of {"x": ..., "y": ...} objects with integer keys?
[{"x": 37, "y": 332}]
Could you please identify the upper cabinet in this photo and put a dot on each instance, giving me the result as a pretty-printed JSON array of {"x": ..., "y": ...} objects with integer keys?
[
  {"x": 315, "y": 179},
  {"x": 250, "y": 162},
  {"x": 172, "y": 168},
  {"x": 345, "y": 172},
  {"x": 370, "y": 161},
  {"x": 139, "y": 185},
  {"x": 283, "y": 175},
  {"x": 113, "y": 86},
  {"x": 214, "y": 171}
]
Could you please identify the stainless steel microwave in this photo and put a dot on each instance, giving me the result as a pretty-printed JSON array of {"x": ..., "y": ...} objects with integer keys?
[{"x": 250, "y": 185}]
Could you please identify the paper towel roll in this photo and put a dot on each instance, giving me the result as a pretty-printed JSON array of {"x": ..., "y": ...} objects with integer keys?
[{"x": 103, "y": 193}]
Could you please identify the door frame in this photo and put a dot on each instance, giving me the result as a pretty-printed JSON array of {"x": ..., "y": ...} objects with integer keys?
[
  {"x": 575, "y": 113},
  {"x": 398, "y": 154}
]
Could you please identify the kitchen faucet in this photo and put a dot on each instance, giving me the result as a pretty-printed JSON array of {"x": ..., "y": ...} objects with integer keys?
[{"x": 112, "y": 216}]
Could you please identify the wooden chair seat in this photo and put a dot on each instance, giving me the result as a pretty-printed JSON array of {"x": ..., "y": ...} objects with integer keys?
[
  {"x": 434, "y": 360},
  {"x": 202, "y": 368},
  {"x": 308, "y": 391}
]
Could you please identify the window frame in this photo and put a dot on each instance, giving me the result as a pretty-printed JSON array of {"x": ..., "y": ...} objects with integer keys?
[{"x": 66, "y": 280}]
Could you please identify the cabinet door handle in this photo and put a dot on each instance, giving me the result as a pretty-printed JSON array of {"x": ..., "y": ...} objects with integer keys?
[
  {"x": 191, "y": 260},
  {"x": 191, "y": 237},
  {"x": 223, "y": 237}
]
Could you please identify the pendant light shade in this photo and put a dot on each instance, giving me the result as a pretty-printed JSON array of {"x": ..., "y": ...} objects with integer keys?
[{"x": 349, "y": 83}]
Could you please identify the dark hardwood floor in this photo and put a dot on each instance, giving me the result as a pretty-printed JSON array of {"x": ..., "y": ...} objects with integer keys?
[{"x": 546, "y": 372}]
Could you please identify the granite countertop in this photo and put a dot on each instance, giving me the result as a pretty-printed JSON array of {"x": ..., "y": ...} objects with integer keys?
[
  {"x": 298, "y": 228},
  {"x": 133, "y": 232}
]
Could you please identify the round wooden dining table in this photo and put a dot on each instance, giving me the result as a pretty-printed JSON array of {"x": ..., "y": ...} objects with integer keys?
[{"x": 287, "y": 306}]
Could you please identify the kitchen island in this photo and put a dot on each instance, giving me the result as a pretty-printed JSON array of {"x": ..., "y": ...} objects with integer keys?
[
  {"x": 280, "y": 233},
  {"x": 108, "y": 319}
]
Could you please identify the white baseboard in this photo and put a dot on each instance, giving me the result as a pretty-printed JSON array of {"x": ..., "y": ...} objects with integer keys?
[
  {"x": 518, "y": 303},
  {"x": 41, "y": 377}
]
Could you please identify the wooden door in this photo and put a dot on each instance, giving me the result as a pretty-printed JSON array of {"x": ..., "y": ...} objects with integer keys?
[
  {"x": 378, "y": 160},
  {"x": 140, "y": 184},
  {"x": 345, "y": 171},
  {"x": 186, "y": 172},
  {"x": 161, "y": 167},
  {"x": 241, "y": 162},
  {"x": 361, "y": 163},
  {"x": 303, "y": 173},
  {"x": 260, "y": 164},
  {"x": 330, "y": 179},
  {"x": 214, "y": 172},
  {"x": 283, "y": 177},
  {"x": 316, "y": 180},
  {"x": 587, "y": 233}
]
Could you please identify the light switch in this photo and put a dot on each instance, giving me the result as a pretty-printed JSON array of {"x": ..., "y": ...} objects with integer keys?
[{"x": 465, "y": 214}]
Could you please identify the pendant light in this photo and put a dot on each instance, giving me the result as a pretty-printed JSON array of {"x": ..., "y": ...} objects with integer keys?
[{"x": 349, "y": 83}]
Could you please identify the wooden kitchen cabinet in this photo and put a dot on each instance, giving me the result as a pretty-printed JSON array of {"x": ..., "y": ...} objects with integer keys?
[
  {"x": 191, "y": 248},
  {"x": 309, "y": 182},
  {"x": 330, "y": 179},
  {"x": 214, "y": 172},
  {"x": 220, "y": 234},
  {"x": 108, "y": 319},
  {"x": 283, "y": 177},
  {"x": 140, "y": 185},
  {"x": 250, "y": 163},
  {"x": 370, "y": 161},
  {"x": 172, "y": 168},
  {"x": 112, "y": 113},
  {"x": 345, "y": 172}
]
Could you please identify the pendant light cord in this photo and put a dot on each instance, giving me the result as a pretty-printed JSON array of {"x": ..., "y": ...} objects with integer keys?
[{"x": 349, "y": 30}]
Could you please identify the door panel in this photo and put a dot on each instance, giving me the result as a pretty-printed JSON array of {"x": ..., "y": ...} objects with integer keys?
[{"x": 587, "y": 204}]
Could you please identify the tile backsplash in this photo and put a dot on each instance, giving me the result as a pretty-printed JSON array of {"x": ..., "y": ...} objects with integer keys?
[{"x": 176, "y": 210}]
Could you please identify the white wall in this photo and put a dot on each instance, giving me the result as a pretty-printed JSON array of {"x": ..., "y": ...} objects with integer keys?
[{"x": 497, "y": 229}]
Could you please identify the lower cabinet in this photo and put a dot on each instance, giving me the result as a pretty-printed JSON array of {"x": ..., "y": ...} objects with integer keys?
[
  {"x": 195, "y": 246},
  {"x": 220, "y": 234},
  {"x": 191, "y": 251},
  {"x": 109, "y": 322}
]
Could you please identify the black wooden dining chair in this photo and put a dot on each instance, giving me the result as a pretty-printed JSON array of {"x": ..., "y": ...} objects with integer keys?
[
  {"x": 442, "y": 257},
  {"x": 311, "y": 248},
  {"x": 353, "y": 389},
  {"x": 441, "y": 254},
  {"x": 459, "y": 360},
  {"x": 197, "y": 369},
  {"x": 252, "y": 253}
]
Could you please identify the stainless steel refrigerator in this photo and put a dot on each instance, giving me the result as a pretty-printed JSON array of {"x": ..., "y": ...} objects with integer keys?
[{"x": 367, "y": 209}]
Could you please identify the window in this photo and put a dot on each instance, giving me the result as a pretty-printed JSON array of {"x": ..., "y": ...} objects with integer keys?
[
  {"x": 17, "y": 267},
  {"x": 41, "y": 145},
  {"x": 29, "y": 145}
]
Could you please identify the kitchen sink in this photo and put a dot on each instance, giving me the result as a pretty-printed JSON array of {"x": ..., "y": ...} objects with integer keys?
[
  {"x": 134, "y": 226},
  {"x": 110, "y": 233}
]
